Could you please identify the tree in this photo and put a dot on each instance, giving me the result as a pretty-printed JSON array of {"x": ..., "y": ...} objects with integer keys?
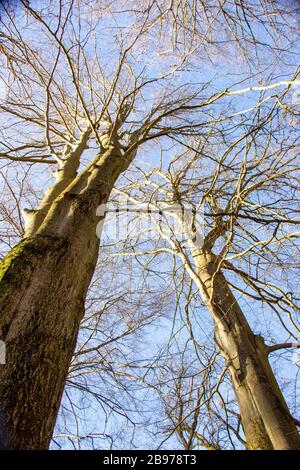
[
  {"x": 86, "y": 112},
  {"x": 250, "y": 186}
]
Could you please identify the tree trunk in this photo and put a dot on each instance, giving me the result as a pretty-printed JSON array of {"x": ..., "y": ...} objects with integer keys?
[
  {"x": 43, "y": 286},
  {"x": 266, "y": 420}
]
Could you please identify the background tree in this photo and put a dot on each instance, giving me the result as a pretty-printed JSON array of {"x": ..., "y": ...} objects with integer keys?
[{"x": 250, "y": 191}]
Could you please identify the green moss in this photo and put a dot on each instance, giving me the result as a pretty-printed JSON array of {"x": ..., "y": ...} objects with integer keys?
[
  {"x": 260, "y": 439},
  {"x": 22, "y": 258},
  {"x": 7, "y": 262}
]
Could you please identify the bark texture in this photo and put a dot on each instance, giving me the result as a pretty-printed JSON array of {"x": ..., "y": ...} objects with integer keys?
[
  {"x": 43, "y": 286},
  {"x": 265, "y": 416}
]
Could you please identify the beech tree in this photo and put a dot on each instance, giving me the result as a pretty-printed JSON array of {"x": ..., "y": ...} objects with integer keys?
[
  {"x": 86, "y": 86},
  {"x": 251, "y": 194}
]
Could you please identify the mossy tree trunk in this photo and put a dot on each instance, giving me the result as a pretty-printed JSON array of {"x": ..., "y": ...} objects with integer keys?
[{"x": 43, "y": 286}]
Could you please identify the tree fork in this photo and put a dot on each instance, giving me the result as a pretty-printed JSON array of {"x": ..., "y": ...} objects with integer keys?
[{"x": 43, "y": 286}]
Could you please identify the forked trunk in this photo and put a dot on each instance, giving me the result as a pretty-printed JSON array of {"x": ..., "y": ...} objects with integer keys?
[
  {"x": 44, "y": 281},
  {"x": 266, "y": 420}
]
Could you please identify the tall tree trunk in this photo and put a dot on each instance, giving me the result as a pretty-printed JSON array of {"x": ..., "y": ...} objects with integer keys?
[
  {"x": 266, "y": 420},
  {"x": 43, "y": 286}
]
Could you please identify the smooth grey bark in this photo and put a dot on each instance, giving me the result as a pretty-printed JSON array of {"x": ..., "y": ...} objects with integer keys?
[
  {"x": 266, "y": 419},
  {"x": 43, "y": 286}
]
